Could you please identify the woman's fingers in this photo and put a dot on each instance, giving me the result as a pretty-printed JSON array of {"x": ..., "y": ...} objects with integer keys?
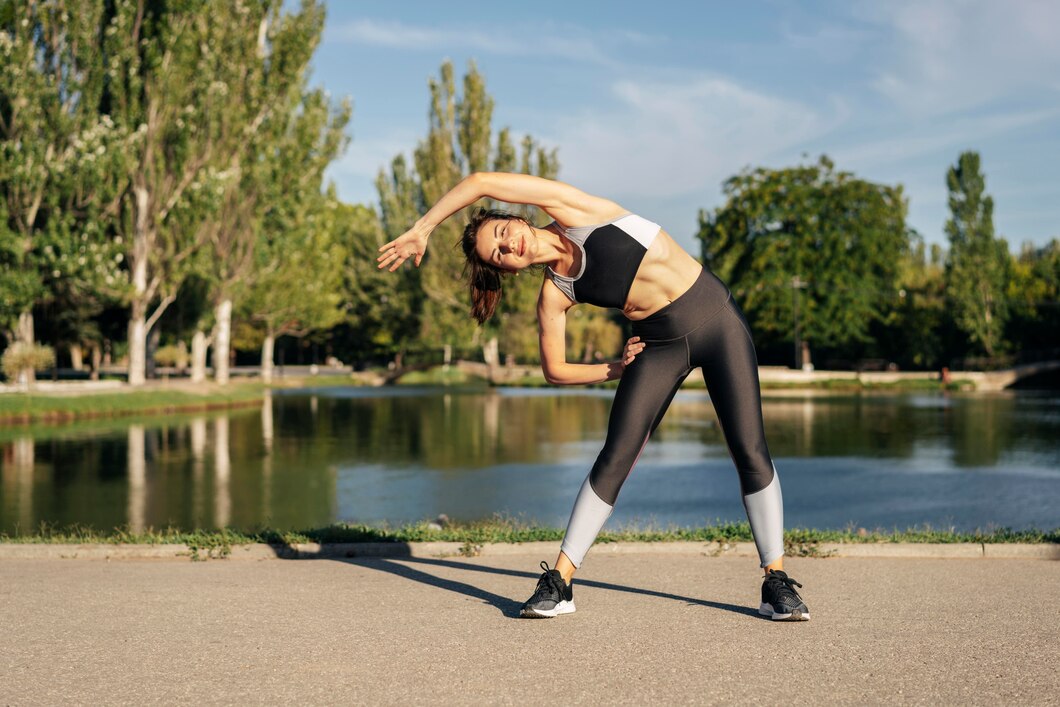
[{"x": 633, "y": 347}]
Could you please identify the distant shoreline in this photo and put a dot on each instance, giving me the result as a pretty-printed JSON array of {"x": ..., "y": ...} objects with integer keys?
[{"x": 58, "y": 403}]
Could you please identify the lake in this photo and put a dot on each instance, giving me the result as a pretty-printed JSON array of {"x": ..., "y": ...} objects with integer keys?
[{"x": 309, "y": 458}]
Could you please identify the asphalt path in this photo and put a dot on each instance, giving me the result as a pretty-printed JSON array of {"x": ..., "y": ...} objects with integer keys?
[{"x": 653, "y": 629}]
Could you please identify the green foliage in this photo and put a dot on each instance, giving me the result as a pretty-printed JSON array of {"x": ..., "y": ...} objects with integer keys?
[
  {"x": 459, "y": 141},
  {"x": 501, "y": 529},
  {"x": 1033, "y": 293},
  {"x": 172, "y": 355},
  {"x": 57, "y": 158},
  {"x": 20, "y": 356},
  {"x": 840, "y": 236},
  {"x": 977, "y": 266}
]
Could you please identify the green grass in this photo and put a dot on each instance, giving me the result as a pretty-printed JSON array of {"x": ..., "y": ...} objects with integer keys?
[
  {"x": 35, "y": 407},
  {"x": 504, "y": 530}
]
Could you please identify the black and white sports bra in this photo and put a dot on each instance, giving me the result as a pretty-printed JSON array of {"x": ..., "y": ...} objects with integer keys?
[{"x": 611, "y": 255}]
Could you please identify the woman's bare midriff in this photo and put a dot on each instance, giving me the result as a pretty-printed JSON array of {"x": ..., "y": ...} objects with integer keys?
[{"x": 665, "y": 273}]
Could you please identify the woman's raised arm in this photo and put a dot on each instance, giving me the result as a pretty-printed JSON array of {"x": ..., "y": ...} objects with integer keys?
[{"x": 566, "y": 204}]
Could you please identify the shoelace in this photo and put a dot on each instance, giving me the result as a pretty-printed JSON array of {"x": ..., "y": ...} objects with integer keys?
[
  {"x": 549, "y": 580},
  {"x": 787, "y": 583}
]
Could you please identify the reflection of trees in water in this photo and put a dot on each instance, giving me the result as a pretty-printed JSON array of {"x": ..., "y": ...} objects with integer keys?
[
  {"x": 136, "y": 473},
  {"x": 17, "y": 483},
  {"x": 975, "y": 430},
  {"x": 278, "y": 466},
  {"x": 465, "y": 431}
]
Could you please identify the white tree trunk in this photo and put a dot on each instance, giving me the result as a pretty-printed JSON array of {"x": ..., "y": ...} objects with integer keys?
[
  {"x": 222, "y": 341},
  {"x": 77, "y": 357},
  {"x": 267, "y": 348},
  {"x": 198, "y": 356},
  {"x": 491, "y": 353},
  {"x": 137, "y": 345},
  {"x": 138, "y": 316},
  {"x": 25, "y": 328}
]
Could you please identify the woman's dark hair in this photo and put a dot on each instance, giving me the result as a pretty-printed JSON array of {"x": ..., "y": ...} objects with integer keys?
[{"x": 483, "y": 279}]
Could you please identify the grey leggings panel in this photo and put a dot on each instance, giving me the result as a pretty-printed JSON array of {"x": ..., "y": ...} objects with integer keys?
[{"x": 703, "y": 328}]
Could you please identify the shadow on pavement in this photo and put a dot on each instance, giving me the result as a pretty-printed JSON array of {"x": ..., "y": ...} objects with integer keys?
[{"x": 399, "y": 566}]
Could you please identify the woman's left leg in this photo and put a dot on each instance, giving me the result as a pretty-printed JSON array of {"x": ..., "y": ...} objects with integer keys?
[{"x": 724, "y": 350}]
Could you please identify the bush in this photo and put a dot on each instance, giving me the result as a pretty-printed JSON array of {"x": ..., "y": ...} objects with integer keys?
[
  {"x": 21, "y": 356},
  {"x": 170, "y": 355}
]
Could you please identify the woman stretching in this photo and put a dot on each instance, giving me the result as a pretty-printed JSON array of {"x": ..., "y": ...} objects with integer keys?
[{"x": 683, "y": 317}]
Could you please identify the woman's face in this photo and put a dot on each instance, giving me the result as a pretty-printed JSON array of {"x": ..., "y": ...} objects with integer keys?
[{"x": 506, "y": 244}]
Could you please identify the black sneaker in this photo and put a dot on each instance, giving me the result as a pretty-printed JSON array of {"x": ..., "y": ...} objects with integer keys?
[
  {"x": 552, "y": 597},
  {"x": 780, "y": 600}
]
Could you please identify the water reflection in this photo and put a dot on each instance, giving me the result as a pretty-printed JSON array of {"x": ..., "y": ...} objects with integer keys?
[{"x": 309, "y": 459}]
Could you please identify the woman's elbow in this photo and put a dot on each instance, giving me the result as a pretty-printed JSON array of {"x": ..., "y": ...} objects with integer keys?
[{"x": 552, "y": 376}]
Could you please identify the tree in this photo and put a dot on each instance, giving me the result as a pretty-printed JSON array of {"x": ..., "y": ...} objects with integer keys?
[
  {"x": 1033, "y": 294},
  {"x": 294, "y": 282},
  {"x": 977, "y": 267},
  {"x": 267, "y": 69},
  {"x": 459, "y": 141},
  {"x": 808, "y": 251},
  {"x": 299, "y": 289},
  {"x": 58, "y": 156}
]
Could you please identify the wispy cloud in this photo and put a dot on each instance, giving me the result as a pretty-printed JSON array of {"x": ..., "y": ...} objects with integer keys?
[
  {"x": 660, "y": 140},
  {"x": 942, "y": 57},
  {"x": 960, "y": 132},
  {"x": 563, "y": 43}
]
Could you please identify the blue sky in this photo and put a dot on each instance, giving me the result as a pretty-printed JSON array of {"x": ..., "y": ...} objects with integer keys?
[{"x": 655, "y": 104}]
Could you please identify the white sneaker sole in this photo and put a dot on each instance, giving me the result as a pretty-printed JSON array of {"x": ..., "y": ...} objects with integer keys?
[
  {"x": 767, "y": 610},
  {"x": 564, "y": 607}
]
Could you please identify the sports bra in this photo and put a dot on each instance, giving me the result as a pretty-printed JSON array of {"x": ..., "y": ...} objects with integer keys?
[{"x": 611, "y": 255}]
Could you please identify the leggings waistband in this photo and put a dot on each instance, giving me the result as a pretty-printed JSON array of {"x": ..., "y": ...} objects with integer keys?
[{"x": 705, "y": 298}]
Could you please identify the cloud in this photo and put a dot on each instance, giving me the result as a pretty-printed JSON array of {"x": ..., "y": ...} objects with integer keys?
[
  {"x": 568, "y": 43},
  {"x": 915, "y": 141},
  {"x": 661, "y": 140},
  {"x": 941, "y": 57}
]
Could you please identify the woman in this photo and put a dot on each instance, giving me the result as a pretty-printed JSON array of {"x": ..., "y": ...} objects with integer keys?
[{"x": 682, "y": 316}]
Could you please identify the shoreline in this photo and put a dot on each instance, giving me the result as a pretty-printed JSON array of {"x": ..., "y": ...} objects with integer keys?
[
  {"x": 67, "y": 402},
  {"x": 441, "y": 549}
]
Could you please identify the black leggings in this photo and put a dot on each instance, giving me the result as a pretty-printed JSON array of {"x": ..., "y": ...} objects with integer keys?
[{"x": 703, "y": 328}]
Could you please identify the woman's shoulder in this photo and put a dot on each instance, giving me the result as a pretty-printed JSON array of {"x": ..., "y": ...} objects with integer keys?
[{"x": 589, "y": 211}]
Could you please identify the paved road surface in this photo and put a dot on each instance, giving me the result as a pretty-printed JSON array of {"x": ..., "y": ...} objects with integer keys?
[{"x": 649, "y": 629}]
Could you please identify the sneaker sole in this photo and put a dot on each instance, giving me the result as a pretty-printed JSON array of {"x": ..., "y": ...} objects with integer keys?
[
  {"x": 564, "y": 607},
  {"x": 767, "y": 610}
]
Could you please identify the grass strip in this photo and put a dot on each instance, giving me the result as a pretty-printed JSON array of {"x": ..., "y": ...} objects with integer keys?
[
  {"x": 27, "y": 408},
  {"x": 501, "y": 530}
]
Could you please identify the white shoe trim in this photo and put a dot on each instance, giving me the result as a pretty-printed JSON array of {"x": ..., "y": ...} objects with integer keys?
[
  {"x": 564, "y": 607},
  {"x": 766, "y": 609}
]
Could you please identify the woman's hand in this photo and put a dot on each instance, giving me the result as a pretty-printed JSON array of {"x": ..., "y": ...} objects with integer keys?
[
  {"x": 633, "y": 347},
  {"x": 412, "y": 242}
]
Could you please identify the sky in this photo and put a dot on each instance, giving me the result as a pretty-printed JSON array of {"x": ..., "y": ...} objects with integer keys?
[{"x": 655, "y": 104}]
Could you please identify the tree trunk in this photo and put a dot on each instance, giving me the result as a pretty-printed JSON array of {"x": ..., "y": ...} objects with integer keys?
[
  {"x": 138, "y": 315},
  {"x": 150, "y": 368},
  {"x": 77, "y": 357},
  {"x": 490, "y": 352},
  {"x": 222, "y": 340},
  {"x": 25, "y": 328},
  {"x": 266, "y": 357},
  {"x": 199, "y": 344},
  {"x": 137, "y": 344},
  {"x": 97, "y": 360}
]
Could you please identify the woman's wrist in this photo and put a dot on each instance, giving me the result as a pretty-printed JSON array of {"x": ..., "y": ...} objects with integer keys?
[{"x": 423, "y": 227}]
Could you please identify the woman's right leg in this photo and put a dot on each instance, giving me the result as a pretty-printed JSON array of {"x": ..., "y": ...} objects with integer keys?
[{"x": 644, "y": 393}]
